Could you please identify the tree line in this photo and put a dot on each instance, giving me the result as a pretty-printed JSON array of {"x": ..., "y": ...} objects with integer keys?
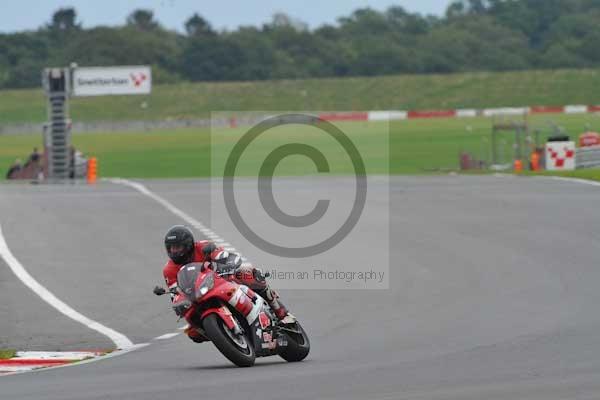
[{"x": 473, "y": 35}]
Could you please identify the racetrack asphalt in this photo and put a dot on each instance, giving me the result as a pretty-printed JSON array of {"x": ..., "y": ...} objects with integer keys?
[{"x": 493, "y": 294}]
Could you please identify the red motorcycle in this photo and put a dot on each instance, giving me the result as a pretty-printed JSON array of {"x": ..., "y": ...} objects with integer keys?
[{"x": 238, "y": 321}]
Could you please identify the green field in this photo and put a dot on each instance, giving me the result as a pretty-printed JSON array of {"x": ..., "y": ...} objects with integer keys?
[
  {"x": 6, "y": 354},
  {"x": 196, "y": 100},
  {"x": 403, "y": 147}
]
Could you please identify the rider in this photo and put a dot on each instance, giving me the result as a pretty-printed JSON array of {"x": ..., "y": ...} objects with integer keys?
[{"x": 183, "y": 249}]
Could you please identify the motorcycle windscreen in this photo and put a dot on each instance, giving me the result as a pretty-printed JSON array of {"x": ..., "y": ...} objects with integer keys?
[{"x": 186, "y": 278}]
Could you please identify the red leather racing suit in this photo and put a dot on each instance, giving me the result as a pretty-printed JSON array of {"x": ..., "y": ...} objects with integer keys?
[{"x": 244, "y": 274}]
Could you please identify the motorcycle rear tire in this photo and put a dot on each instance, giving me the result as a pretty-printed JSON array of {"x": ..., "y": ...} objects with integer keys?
[
  {"x": 214, "y": 328},
  {"x": 298, "y": 346}
]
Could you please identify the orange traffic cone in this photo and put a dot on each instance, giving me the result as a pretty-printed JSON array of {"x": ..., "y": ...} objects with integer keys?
[
  {"x": 92, "y": 171},
  {"x": 535, "y": 161},
  {"x": 518, "y": 166}
]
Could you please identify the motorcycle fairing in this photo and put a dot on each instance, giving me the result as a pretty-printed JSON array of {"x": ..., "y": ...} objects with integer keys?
[{"x": 223, "y": 313}]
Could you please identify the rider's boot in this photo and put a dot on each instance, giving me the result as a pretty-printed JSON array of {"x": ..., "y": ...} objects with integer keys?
[
  {"x": 255, "y": 279},
  {"x": 280, "y": 311}
]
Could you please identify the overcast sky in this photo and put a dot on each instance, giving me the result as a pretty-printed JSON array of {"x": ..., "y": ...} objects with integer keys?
[{"x": 30, "y": 14}]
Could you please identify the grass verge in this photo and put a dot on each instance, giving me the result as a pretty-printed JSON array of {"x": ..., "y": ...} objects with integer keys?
[
  {"x": 402, "y": 147},
  {"x": 400, "y": 92},
  {"x": 5, "y": 354}
]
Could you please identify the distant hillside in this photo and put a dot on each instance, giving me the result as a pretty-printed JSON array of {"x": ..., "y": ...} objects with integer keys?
[{"x": 195, "y": 100}]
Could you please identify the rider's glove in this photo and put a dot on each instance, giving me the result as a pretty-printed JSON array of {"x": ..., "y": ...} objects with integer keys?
[
  {"x": 207, "y": 250},
  {"x": 259, "y": 275}
]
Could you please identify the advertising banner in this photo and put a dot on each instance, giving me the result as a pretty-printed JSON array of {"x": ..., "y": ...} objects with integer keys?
[{"x": 101, "y": 81}]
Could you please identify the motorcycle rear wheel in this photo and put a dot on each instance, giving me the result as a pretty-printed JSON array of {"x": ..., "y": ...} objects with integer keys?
[
  {"x": 298, "y": 345},
  {"x": 234, "y": 350}
]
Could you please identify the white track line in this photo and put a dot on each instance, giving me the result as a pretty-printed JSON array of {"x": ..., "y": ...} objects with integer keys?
[
  {"x": 120, "y": 340},
  {"x": 55, "y": 355},
  {"x": 209, "y": 233},
  {"x": 206, "y": 231},
  {"x": 167, "y": 336},
  {"x": 575, "y": 180},
  {"x": 9, "y": 370}
]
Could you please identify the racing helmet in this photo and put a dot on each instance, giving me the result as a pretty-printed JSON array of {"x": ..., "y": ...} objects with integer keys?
[{"x": 179, "y": 243}]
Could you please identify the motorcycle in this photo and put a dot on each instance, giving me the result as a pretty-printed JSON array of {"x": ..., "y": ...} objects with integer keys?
[{"x": 234, "y": 318}]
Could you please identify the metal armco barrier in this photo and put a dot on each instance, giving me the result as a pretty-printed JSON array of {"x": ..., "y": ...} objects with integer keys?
[{"x": 588, "y": 157}]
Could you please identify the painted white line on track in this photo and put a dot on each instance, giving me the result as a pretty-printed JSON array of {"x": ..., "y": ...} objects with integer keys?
[
  {"x": 167, "y": 336},
  {"x": 184, "y": 216},
  {"x": 8, "y": 370},
  {"x": 575, "y": 180},
  {"x": 55, "y": 355},
  {"x": 120, "y": 340},
  {"x": 178, "y": 212}
]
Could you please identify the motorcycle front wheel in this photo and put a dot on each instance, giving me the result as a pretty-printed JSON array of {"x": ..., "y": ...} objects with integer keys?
[{"x": 237, "y": 348}]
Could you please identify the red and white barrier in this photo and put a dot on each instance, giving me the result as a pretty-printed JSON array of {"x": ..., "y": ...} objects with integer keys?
[
  {"x": 432, "y": 114},
  {"x": 576, "y": 109},
  {"x": 493, "y": 112},
  {"x": 387, "y": 115},
  {"x": 345, "y": 116},
  {"x": 466, "y": 113},
  {"x": 30, "y": 360},
  {"x": 460, "y": 113},
  {"x": 547, "y": 110}
]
